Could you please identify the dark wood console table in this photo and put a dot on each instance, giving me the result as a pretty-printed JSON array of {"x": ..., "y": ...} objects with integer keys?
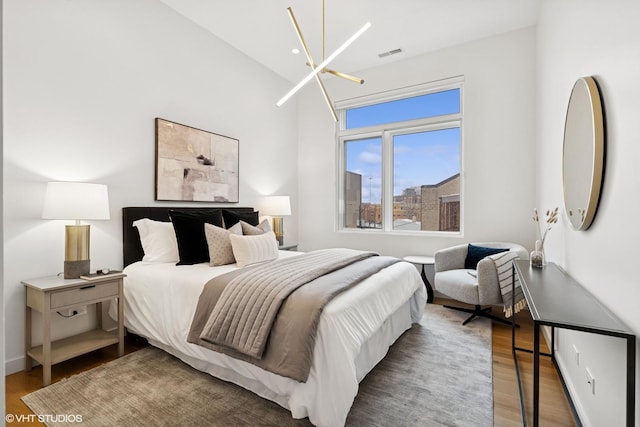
[{"x": 557, "y": 300}]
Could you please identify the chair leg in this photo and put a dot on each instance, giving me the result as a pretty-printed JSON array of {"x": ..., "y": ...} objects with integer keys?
[{"x": 478, "y": 311}]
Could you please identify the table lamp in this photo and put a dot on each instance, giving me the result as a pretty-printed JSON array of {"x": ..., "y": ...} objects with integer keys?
[
  {"x": 76, "y": 201},
  {"x": 277, "y": 207}
]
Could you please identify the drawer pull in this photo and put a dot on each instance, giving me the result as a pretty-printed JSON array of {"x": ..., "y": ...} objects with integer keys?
[{"x": 88, "y": 287}]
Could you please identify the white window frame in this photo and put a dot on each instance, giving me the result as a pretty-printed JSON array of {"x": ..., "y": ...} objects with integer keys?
[{"x": 386, "y": 132}]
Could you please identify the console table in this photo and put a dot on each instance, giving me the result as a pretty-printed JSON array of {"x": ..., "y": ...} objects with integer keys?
[{"x": 557, "y": 300}]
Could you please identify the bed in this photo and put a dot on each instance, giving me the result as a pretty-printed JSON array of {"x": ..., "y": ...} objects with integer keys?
[{"x": 354, "y": 331}]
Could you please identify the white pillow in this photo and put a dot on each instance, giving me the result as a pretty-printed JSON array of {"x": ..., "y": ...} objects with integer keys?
[
  {"x": 158, "y": 240},
  {"x": 220, "y": 252},
  {"x": 253, "y": 249}
]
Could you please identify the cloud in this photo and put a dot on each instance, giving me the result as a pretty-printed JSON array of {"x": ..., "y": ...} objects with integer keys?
[
  {"x": 370, "y": 158},
  {"x": 401, "y": 149}
]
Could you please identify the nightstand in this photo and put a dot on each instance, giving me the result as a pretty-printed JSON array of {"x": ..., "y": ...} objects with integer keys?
[{"x": 49, "y": 295}]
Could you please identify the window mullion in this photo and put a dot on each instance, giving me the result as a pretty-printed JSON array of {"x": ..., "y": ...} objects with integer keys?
[
  {"x": 341, "y": 181},
  {"x": 387, "y": 182}
]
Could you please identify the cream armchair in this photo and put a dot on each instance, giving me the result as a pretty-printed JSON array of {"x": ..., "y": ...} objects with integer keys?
[{"x": 476, "y": 287}]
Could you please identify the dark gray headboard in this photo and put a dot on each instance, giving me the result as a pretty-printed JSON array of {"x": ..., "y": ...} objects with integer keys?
[{"x": 131, "y": 247}]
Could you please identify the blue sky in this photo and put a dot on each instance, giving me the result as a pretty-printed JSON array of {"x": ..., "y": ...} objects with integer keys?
[
  {"x": 418, "y": 158},
  {"x": 416, "y": 107}
]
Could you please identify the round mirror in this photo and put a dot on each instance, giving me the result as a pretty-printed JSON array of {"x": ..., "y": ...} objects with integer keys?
[{"x": 583, "y": 153}]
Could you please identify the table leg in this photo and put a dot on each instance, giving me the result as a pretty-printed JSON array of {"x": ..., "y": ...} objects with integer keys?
[
  {"x": 631, "y": 381},
  {"x": 99, "y": 315},
  {"x": 536, "y": 373},
  {"x": 427, "y": 285},
  {"x": 28, "y": 364},
  {"x": 46, "y": 346},
  {"x": 120, "y": 320}
]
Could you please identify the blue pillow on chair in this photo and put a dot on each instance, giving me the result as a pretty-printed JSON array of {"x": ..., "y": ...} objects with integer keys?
[{"x": 476, "y": 253}]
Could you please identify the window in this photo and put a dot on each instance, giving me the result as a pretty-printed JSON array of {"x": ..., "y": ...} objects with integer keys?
[
  {"x": 400, "y": 157},
  {"x": 363, "y": 198}
]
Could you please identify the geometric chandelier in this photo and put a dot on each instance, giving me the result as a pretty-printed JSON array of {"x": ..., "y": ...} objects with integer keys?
[{"x": 321, "y": 68}]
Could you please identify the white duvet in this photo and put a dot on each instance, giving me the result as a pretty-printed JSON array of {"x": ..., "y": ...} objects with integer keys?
[{"x": 355, "y": 331}]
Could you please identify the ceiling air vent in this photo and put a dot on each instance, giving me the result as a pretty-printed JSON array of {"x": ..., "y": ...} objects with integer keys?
[{"x": 389, "y": 53}]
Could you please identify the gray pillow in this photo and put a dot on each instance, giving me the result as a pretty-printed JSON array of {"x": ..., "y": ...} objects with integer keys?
[{"x": 250, "y": 230}]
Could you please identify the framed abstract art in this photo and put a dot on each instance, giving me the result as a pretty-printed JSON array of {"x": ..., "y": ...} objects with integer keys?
[{"x": 195, "y": 165}]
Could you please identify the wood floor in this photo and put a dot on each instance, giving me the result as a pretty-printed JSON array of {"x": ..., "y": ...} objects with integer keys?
[{"x": 554, "y": 408}]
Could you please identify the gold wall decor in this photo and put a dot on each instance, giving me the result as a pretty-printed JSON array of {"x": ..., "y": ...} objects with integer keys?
[{"x": 583, "y": 153}]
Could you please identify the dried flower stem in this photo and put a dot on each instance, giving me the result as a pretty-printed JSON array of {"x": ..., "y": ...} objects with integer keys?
[{"x": 552, "y": 218}]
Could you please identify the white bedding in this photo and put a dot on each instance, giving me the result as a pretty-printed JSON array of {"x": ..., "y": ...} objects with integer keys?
[{"x": 355, "y": 331}]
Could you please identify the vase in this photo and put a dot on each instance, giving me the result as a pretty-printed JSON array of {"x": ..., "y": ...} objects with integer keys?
[{"x": 536, "y": 258}]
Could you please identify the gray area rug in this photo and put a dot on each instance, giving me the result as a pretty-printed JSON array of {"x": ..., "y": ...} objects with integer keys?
[{"x": 438, "y": 373}]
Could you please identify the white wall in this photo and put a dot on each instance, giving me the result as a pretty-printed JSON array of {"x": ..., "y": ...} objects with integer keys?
[
  {"x": 498, "y": 145},
  {"x": 579, "y": 38},
  {"x": 83, "y": 82}
]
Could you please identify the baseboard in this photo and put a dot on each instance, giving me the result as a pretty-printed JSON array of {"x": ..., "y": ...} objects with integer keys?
[
  {"x": 14, "y": 365},
  {"x": 582, "y": 414}
]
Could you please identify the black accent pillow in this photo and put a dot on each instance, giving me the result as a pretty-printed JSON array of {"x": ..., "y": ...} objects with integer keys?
[
  {"x": 232, "y": 218},
  {"x": 189, "y": 228},
  {"x": 475, "y": 254}
]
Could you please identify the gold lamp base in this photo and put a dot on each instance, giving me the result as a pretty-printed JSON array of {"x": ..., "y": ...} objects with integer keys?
[
  {"x": 76, "y": 251},
  {"x": 278, "y": 229}
]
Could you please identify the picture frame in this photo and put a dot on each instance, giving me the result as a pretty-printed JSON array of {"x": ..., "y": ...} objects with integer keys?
[{"x": 195, "y": 165}]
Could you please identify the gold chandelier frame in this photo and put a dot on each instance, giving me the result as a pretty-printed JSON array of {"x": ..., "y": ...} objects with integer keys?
[{"x": 322, "y": 67}]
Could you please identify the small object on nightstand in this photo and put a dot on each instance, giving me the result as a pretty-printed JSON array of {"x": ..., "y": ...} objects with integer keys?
[
  {"x": 293, "y": 247},
  {"x": 105, "y": 272}
]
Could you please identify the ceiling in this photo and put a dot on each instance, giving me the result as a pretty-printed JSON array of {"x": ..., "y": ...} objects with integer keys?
[{"x": 262, "y": 29}]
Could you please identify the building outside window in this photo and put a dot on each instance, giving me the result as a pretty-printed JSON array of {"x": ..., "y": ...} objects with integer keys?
[{"x": 400, "y": 160}]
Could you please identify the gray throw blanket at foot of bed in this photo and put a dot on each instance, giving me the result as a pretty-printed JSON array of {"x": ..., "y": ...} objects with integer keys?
[{"x": 279, "y": 304}]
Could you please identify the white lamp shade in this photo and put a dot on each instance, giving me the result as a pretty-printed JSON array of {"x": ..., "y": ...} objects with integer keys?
[
  {"x": 275, "y": 206},
  {"x": 76, "y": 201}
]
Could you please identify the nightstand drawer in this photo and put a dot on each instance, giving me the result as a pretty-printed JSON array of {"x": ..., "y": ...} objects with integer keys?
[{"x": 84, "y": 294}]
